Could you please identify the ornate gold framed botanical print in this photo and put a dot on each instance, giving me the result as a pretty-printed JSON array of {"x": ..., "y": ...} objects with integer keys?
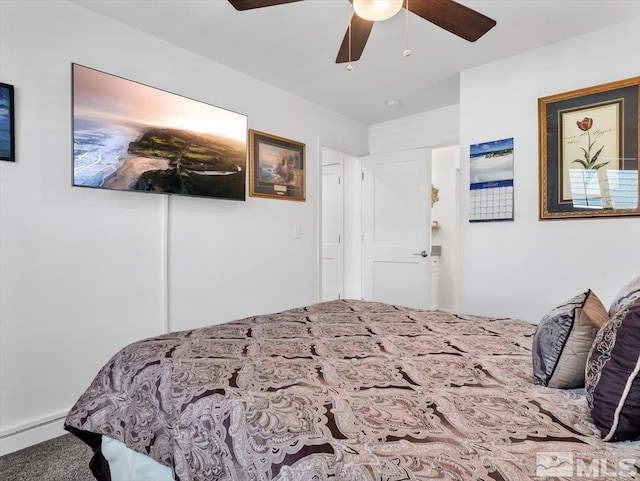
[{"x": 589, "y": 148}]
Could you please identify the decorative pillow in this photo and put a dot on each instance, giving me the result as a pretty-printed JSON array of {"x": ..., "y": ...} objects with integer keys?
[
  {"x": 613, "y": 376},
  {"x": 629, "y": 293},
  {"x": 563, "y": 338}
]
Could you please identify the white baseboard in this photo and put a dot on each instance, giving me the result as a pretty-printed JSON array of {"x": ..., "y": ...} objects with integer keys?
[{"x": 28, "y": 434}]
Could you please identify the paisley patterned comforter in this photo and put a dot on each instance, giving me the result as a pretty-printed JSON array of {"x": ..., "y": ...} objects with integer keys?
[{"x": 346, "y": 391}]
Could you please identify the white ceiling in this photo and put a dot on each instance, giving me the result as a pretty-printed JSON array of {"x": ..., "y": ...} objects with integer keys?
[{"x": 294, "y": 46}]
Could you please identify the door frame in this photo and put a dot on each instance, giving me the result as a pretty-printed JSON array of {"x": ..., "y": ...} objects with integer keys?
[{"x": 354, "y": 152}]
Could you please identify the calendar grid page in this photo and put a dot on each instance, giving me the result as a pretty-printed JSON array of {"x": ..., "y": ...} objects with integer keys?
[{"x": 491, "y": 201}]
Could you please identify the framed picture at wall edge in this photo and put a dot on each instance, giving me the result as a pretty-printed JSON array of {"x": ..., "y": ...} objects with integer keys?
[
  {"x": 7, "y": 123},
  {"x": 276, "y": 167},
  {"x": 588, "y": 152}
]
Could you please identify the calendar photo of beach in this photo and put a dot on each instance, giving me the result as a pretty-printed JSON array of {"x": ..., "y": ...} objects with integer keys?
[
  {"x": 129, "y": 136},
  {"x": 492, "y": 162}
]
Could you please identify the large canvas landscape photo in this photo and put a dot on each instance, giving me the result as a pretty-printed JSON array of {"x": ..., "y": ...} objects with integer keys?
[{"x": 129, "y": 136}]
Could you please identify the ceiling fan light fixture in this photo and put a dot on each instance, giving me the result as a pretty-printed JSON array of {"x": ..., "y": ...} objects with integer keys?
[{"x": 376, "y": 10}]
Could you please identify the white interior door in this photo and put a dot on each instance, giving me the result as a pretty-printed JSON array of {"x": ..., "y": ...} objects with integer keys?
[
  {"x": 397, "y": 228},
  {"x": 332, "y": 227}
]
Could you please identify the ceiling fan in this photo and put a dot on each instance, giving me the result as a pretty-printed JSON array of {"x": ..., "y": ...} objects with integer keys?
[{"x": 447, "y": 14}]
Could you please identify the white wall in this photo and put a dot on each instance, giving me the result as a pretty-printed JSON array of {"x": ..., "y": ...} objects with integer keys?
[
  {"x": 524, "y": 268},
  {"x": 433, "y": 128},
  {"x": 82, "y": 269}
]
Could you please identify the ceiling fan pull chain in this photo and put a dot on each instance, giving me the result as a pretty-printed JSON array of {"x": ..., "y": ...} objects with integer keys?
[
  {"x": 349, "y": 66},
  {"x": 407, "y": 50}
]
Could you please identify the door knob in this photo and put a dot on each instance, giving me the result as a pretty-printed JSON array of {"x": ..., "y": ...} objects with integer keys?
[{"x": 423, "y": 254}]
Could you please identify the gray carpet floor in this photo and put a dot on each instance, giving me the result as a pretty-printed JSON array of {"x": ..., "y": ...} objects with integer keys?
[{"x": 65, "y": 458}]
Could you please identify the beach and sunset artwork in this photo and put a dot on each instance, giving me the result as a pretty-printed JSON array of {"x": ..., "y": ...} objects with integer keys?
[
  {"x": 491, "y": 181},
  {"x": 276, "y": 167},
  {"x": 129, "y": 136}
]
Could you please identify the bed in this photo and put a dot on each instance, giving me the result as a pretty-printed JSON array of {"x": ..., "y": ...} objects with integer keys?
[{"x": 345, "y": 391}]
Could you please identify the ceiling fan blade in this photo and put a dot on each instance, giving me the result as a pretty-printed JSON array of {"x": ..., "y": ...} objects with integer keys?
[
  {"x": 250, "y": 4},
  {"x": 360, "y": 30},
  {"x": 453, "y": 17}
]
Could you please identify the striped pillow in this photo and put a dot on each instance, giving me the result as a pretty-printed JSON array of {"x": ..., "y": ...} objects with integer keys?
[
  {"x": 613, "y": 376},
  {"x": 563, "y": 338}
]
